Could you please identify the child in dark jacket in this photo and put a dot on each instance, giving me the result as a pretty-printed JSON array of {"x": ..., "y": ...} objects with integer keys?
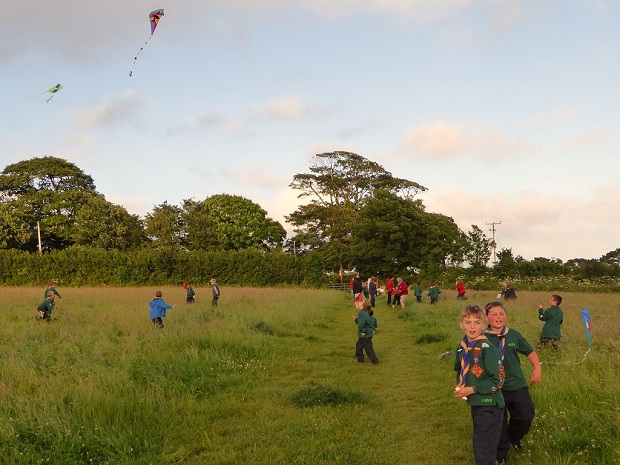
[{"x": 366, "y": 327}]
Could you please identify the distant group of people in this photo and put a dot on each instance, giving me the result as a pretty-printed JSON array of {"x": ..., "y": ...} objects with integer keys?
[{"x": 157, "y": 306}]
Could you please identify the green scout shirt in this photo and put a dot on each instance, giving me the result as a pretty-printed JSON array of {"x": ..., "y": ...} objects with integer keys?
[
  {"x": 485, "y": 374},
  {"x": 553, "y": 318},
  {"x": 514, "y": 344},
  {"x": 418, "y": 291},
  {"x": 434, "y": 293},
  {"x": 365, "y": 325},
  {"x": 46, "y": 306},
  {"x": 215, "y": 291}
]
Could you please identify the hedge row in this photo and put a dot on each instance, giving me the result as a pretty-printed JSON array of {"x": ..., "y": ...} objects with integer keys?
[{"x": 93, "y": 267}]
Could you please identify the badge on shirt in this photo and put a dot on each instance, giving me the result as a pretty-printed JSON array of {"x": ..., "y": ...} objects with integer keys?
[{"x": 477, "y": 370}]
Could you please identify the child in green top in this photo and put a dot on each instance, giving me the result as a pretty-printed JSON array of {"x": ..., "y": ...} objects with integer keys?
[
  {"x": 45, "y": 308},
  {"x": 433, "y": 293},
  {"x": 479, "y": 377},
  {"x": 417, "y": 292},
  {"x": 553, "y": 318},
  {"x": 519, "y": 404},
  {"x": 366, "y": 328},
  {"x": 215, "y": 292}
]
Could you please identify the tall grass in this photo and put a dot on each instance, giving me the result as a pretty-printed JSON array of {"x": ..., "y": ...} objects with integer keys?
[{"x": 269, "y": 378}]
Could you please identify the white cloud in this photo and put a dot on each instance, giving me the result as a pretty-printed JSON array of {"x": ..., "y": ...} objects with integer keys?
[
  {"x": 587, "y": 138},
  {"x": 564, "y": 114},
  {"x": 445, "y": 139},
  {"x": 561, "y": 225},
  {"x": 284, "y": 108},
  {"x": 113, "y": 110}
]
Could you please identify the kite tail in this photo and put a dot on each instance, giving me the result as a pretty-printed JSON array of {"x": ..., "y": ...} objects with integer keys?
[
  {"x": 138, "y": 54},
  {"x": 48, "y": 100}
]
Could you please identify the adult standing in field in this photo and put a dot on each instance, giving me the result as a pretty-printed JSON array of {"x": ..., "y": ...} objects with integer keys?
[
  {"x": 158, "y": 310},
  {"x": 372, "y": 290},
  {"x": 519, "y": 404},
  {"x": 215, "y": 292},
  {"x": 403, "y": 290},
  {"x": 358, "y": 291},
  {"x": 389, "y": 289}
]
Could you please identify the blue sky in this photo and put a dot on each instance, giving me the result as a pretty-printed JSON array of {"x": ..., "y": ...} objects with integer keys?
[{"x": 506, "y": 110}]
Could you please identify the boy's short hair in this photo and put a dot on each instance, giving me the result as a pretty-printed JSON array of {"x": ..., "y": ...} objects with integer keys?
[
  {"x": 557, "y": 299},
  {"x": 495, "y": 303},
  {"x": 50, "y": 294},
  {"x": 366, "y": 305},
  {"x": 158, "y": 294},
  {"x": 472, "y": 310}
]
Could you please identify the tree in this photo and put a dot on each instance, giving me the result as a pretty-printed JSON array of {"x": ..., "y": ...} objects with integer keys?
[
  {"x": 338, "y": 186},
  {"x": 233, "y": 222},
  {"x": 165, "y": 226},
  {"x": 101, "y": 224},
  {"x": 479, "y": 247},
  {"x": 14, "y": 232},
  {"x": 612, "y": 257},
  {"x": 506, "y": 265},
  {"x": 47, "y": 190}
]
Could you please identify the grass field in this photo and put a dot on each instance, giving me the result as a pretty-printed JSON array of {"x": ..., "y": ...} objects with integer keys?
[{"x": 269, "y": 378}]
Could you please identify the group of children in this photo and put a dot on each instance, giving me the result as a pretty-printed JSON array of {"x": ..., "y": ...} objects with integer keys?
[
  {"x": 490, "y": 378},
  {"x": 398, "y": 292},
  {"x": 157, "y": 306},
  {"x": 488, "y": 372}
]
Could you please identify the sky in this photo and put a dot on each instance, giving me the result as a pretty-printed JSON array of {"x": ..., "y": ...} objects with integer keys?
[{"x": 508, "y": 111}]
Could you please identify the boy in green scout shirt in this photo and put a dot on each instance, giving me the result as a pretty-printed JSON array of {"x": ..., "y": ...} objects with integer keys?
[
  {"x": 519, "y": 404},
  {"x": 479, "y": 377},
  {"x": 366, "y": 328},
  {"x": 45, "y": 308},
  {"x": 553, "y": 318},
  {"x": 417, "y": 292},
  {"x": 433, "y": 293}
]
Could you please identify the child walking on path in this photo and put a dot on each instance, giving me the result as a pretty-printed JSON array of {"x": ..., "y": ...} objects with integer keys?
[
  {"x": 366, "y": 327},
  {"x": 519, "y": 404},
  {"x": 479, "y": 378},
  {"x": 553, "y": 318},
  {"x": 158, "y": 310}
]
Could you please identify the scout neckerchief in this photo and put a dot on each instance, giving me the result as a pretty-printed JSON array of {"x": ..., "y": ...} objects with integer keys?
[
  {"x": 467, "y": 347},
  {"x": 501, "y": 335}
]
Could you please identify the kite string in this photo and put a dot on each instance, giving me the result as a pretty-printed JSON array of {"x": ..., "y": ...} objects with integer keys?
[{"x": 138, "y": 54}]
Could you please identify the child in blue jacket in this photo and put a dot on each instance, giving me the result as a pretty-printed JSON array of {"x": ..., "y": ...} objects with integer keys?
[{"x": 158, "y": 310}]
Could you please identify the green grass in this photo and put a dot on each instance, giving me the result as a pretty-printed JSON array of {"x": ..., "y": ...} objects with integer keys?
[{"x": 269, "y": 378}]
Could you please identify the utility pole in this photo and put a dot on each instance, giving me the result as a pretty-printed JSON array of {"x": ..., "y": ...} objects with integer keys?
[{"x": 492, "y": 224}]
